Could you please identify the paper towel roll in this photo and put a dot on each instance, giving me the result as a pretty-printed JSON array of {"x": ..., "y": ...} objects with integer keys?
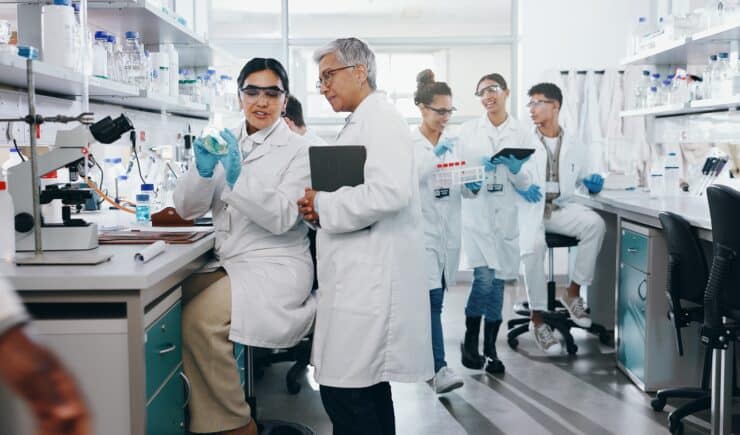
[{"x": 150, "y": 251}]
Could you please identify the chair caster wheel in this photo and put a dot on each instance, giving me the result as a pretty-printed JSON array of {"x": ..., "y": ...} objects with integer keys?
[
  {"x": 605, "y": 339},
  {"x": 675, "y": 427},
  {"x": 658, "y": 404},
  {"x": 513, "y": 343},
  {"x": 572, "y": 350}
]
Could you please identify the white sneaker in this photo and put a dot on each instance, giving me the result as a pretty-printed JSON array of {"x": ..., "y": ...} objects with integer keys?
[
  {"x": 577, "y": 311},
  {"x": 446, "y": 380},
  {"x": 545, "y": 339}
]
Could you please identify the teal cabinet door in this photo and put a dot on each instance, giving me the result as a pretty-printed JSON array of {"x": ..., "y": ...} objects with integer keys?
[
  {"x": 165, "y": 414},
  {"x": 634, "y": 250},
  {"x": 631, "y": 305},
  {"x": 163, "y": 348}
]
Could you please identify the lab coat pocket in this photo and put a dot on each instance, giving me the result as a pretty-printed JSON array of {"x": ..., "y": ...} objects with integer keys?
[
  {"x": 507, "y": 223},
  {"x": 359, "y": 286}
]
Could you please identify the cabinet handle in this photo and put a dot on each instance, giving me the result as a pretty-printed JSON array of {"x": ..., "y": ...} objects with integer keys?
[
  {"x": 642, "y": 294},
  {"x": 186, "y": 381},
  {"x": 633, "y": 250},
  {"x": 166, "y": 350}
]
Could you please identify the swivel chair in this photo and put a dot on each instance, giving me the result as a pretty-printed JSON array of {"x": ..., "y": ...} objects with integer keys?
[
  {"x": 556, "y": 315},
  {"x": 722, "y": 301},
  {"x": 687, "y": 279}
]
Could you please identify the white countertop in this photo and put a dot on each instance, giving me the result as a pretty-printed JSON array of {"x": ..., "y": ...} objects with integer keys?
[
  {"x": 120, "y": 273},
  {"x": 694, "y": 209}
]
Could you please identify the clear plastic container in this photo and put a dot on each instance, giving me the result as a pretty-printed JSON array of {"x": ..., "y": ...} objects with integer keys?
[
  {"x": 657, "y": 185},
  {"x": 672, "y": 175},
  {"x": 722, "y": 77},
  {"x": 113, "y": 51},
  {"x": 144, "y": 202},
  {"x": 666, "y": 94},
  {"x": 100, "y": 55},
  {"x": 641, "y": 90},
  {"x": 134, "y": 61},
  {"x": 653, "y": 98},
  {"x": 7, "y": 224},
  {"x": 707, "y": 77},
  {"x": 59, "y": 32},
  {"x": 187, "y": 90}
]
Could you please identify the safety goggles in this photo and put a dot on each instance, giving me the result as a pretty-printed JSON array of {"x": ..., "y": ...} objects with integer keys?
[
  {"x": 493, "y": 89},
  {"x": 538, "y": 103},
  {"x": 252, "y": 92},
  {"x": 441, "y": 111},
  {"x": 328, "y": 75}
]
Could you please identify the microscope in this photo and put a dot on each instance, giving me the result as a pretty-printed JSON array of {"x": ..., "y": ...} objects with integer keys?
[{"x": 69, "y": 150}]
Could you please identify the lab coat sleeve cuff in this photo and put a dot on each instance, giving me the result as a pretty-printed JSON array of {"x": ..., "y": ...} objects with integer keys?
[{"x": 316, "y": 202}]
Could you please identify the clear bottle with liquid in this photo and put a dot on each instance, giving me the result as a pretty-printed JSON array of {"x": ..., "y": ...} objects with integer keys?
[
  {"x": 653, "y": 98},
  {"x": 707, "y": 76},
  {"x": 134, "y": 61},
  {"x": 722, "y": 77},
  {"x": 144, "y": 200},
  {"x": 100, "y": 55},
  {"x": 641, "y": 90},
  {"x": 671, "y": 175}
]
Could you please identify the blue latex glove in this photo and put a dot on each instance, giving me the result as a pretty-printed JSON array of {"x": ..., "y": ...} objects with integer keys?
[
  {"x": 445, "y": 145},
  {"x": 205, "y": 162},
  {"x": 532, "y": 194},
  {"x": 474, "y": 186},
  {"x": 488, "y": 165},
  {"x": 511, "y": 162},
  {"x": 594, "y": 183},
  {"x": 232, "y": 160}
]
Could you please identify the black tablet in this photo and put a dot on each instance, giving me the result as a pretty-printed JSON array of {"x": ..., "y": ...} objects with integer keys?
[
  {"x": 518, "y": 153},
  {"x": 333, "y": 167}
]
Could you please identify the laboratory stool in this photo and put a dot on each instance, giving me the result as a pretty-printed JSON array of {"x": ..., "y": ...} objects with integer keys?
[
  {"x": 722, "y": 303},
  {"x": 556, "y": 315},
  {"x": 687, "y": 279}
]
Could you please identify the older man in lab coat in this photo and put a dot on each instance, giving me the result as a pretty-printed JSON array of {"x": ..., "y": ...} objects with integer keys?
[
  {"x": 562, "y": 167},
  {"x": 373, "y": 318}
]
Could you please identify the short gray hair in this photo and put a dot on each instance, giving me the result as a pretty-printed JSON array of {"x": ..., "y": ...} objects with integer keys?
[{"x": 351, "y": 51}]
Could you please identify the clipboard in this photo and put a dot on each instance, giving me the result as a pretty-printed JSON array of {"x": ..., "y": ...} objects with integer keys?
[
  {"x": 333, "y": 167},
  {"x": 518, "y": 153}
]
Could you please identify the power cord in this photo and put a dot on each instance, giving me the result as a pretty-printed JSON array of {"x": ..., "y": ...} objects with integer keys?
[{"x": 132, "y": 137}]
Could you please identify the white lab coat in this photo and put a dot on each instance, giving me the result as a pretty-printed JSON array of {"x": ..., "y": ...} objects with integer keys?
[
  {"x": 441, "y": 216},
  {"x": 260, "y": 237},
  {"x": 589, "y": 127},
  {"x": 373, "y": 320},
  {"x": 313, "y": 139},
  {"x": 490, "y": 223},
  {"x": 12, "y": 311}
]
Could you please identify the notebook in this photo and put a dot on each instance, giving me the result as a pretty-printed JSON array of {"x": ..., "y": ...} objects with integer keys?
[{"x": 333, "y": 167}]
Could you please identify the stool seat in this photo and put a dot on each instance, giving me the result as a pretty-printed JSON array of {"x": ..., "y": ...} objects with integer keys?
[{"x": 555, "y": 240}]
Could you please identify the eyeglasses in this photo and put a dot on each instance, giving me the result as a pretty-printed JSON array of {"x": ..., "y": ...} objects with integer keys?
[
  {"x": 538, "y": 103},
  {"x": 252, "y": 93},
  {"x": 441, "y": 111},
  {"x": 493, "y": 89},
  {"x": 327, "y": 75}
]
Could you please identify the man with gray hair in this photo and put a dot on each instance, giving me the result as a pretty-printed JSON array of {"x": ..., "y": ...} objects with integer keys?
[{"x": 373, "y": 317}]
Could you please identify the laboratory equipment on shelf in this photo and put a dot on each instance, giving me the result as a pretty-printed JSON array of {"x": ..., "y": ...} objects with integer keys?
[
  {"x": 713, "y": 167},
  {"x": 671, "y": 175},
  {"x": 641, "y": 90},
  {"x": 144, "y": 201},
  {"x": 707, "y": 76},
  {"x": 100, "y": 55},
  {"x": 59, "y": 33},
  {"x": 134, "y": 61},
  {"x": 722, "y": 77}
]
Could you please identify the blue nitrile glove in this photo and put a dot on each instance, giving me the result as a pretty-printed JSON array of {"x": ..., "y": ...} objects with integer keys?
[
  {"x": 594, "y": 183},
  {"x": 205, "y": 162},
  {"x": 488, "y": 165},
  {"x": 511, "y": 162},
  {"x": 474, "y": 186},
  {"x": 445, "y": 145},
  {"x": 532, "y": 194},
  {"x": 232, "y": 160}
]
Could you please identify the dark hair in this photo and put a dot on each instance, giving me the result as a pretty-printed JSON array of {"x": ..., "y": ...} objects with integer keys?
[
  {"x": 496, "y": 77},
  {"x": 549, "y": 90},
  {"x": 294, "y": 111},
  {"x": 427, "y": 88},
  {"x": 257, "y": 64}
]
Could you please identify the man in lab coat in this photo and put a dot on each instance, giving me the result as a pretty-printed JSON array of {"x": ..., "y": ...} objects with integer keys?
[
  {"x": 36, "y": 375},
  {"x": 373, "y": 318},
  {"x": 563, "y": 167},
  {"x": 293, "y": 116}
]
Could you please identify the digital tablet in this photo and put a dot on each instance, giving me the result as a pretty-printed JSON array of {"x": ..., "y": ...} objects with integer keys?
[
  {"x": 333, "y": 167},
  {"x": 518, "y": 153}
]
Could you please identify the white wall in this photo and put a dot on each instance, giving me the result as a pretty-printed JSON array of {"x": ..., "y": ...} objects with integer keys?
[{"x": 573, "y": 34}]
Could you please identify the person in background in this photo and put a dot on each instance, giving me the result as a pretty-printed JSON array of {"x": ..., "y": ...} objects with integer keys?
[
  {"x": 490, "y": 228},
  {"x": 36, "y": 375},
  {"x": 258, "y": 291},
  {"x": 440, "y": 210},
  {"x": 372, "y": 323},
  {"x": 564, "y": 171},
  {"x": 294, "y": 118}
]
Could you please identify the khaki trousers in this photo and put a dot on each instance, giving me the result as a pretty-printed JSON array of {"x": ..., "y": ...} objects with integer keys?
[{"x": 216, "y": 398}]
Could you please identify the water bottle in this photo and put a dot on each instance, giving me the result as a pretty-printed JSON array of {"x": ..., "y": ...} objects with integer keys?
[
  {"x": 671, "y": 177},
  {"x": 7, "y": 224},
  {"x": 134, "y": 61},
  {"x": 641, "y": 90},
  {"x": 100, "y": 55},
  {"x": 144, "y": 204}
]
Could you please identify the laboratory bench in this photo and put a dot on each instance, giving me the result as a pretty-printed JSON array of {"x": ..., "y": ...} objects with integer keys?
[
  {"x": 629, "y": 291},
  {"x": 117, "y": 326}
]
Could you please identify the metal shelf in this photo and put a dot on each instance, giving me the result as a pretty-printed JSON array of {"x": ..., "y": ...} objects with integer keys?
[
  {"x": 150, "y": 101},
  {"x": 699, "y": 106},
  {"x": 692, "y": 50}
]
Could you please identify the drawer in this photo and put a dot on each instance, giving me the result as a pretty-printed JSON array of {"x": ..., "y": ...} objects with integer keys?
[
  {"x": 165, "y": 414},
  {"x": 163, "y": 348},
  {"x": 631, "y": 318},
  {"x": 634, "y": 250}
]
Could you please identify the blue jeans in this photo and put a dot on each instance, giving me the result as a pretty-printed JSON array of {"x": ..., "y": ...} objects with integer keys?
[
  {"x": 436, "y": 296},
  {"x": 486, "y": 295}
]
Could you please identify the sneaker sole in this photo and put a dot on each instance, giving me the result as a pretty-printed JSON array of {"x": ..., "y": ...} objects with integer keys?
[{"x": 448, "y": 388}]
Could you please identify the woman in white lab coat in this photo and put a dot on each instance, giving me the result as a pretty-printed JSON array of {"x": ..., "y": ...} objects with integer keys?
[
  {"x": 373, "y": 322},
  {"x": 260, "y": 291},
  {"x": 490, "y": 224},
  {"x": 440, "y": 209}
]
